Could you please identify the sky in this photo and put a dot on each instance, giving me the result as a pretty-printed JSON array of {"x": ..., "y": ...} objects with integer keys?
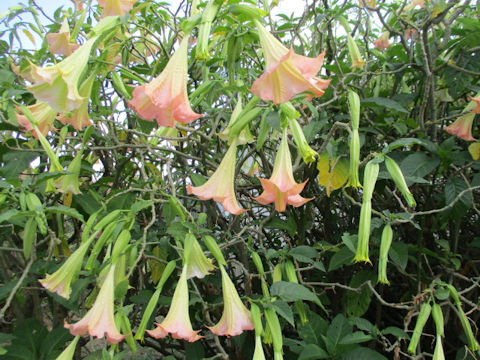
[{"x": 49, "y": 6}]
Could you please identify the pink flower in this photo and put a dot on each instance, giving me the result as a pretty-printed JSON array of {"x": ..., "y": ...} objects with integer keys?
[
  {"x": 58, "y": 84},
  {"x": 462, "y": 127},
  {"x": 59, "y": 43},
  {"x": 59, "y": 282},
  {"x": 281, "y": 188},
  {"x": 99, "y": 320},
  {"x": 415, "y": 3},
  {"x": 287, "y": 73},
  {"x": 382, "y": 42},
  {"x": 116, "y": 7},
  {"x": 165, "y": 97},
  {"x": 177, "y": 321},
  {"x": 235, "y": 317},
  {"x": 43, "y": 114},
  {"x": 220, "y": 185},
  {"x": 476, "y": 110}
]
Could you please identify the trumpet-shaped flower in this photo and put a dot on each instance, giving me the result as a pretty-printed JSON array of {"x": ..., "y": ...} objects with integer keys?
[
  {"x": 59, "y": 282},
  {"x": 99, "y": 320},
  {"x": 177, "y": 322},
  {"x": 281, "y": 188},
  {"x": 116, "y": 7},
  {"x": 68, "y": 184},
  {"x": 59, "y": 43},
  {"x": 462, "y": 127},
  {"x": 382, "y": 42},
  {"x": 58, "y": 84},
  {"x": 476, "y": 110},
  {"x": 287, "y": 73},
  {"x": 235, "y": 317},
  {"x": 43, "y": 114},
  {"x": 220, "y": 185},
  {"x": 198, "y": 265},
  {"x": 165, "y": 97},
  {"x": 79, "y": 118}
]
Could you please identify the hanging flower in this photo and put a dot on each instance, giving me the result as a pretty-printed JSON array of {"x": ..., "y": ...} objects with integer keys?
[
  {"x": 235, "y": 317},
  {"x": 281, "y": 188},
  {"x": 58, "y": 84},
  {"x": 99, "y": 320},
  {"x": 43, "y": 114},
  {"x": 177, "y": 322},
  {"x": 287, "y": 73},
  {"x": 462, "y": 127},
  {"x": 69, "y": 184},
  {"x": 198, "y": 265},
  {"x": 79, "y": 118},
  {"x": 59, "y": 282},
  {"x": 382, "y": 42},
  {"x": 220, "y": 185},
  {"x": 476, "y": 110},
  {"x": 59, "y": 43},
  {"x": 116, "y": 7},
  {"x": 165, "y": 97},
  {"x": 414, "y": 3}
]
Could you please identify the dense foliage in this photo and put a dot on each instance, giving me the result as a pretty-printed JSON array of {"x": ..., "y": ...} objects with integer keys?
[{"x": 375, "y": 256}]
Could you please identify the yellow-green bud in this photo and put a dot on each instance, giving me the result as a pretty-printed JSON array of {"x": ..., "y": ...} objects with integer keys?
[
  {"x": 437, "y": 316},
  {"x": 308, "y": 154},
  {"x": 120, "y": 244},
  {"x": 354, "y": 108},
  {"x": 213, "y": 247},
  {"x": 275, "y": 329},
  {"x": 257, "y": 319},
  {"x": 277, "y": 273},
  {"x": 290, "y": 271},
  {"x": 423, "y": 316},
  {"x": 369, "y": 180},
  {"x": 387, "y": 236},
  {"x": 205, "y": 26},
  {"x": 472, "y": 343},
  {"x": 364, "y": 233},
  {"x": 397, "y": 176},
  {"x": 258, "y": 263},
  {"x": 353, "y": 178}
]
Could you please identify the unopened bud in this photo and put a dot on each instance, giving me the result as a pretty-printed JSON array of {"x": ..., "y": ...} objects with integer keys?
[
  {"x": 397, "y": 176},
  {"x": 387, "y": 236},
  {"x": 423, "y": 316}
]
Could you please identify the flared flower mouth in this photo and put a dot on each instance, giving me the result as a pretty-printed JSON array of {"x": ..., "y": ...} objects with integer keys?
[
  {"x": 177, "y": 322},
  {"x": 165, "y": 98},
  {"x": 220, "y": 186},
  {"x": 287, "y": 74},
  {"x": 43, "y": 114},
  {"x": 99, "y": 320},
  {"x": 462, "y": 127},
  {"x": 59, "y": 43},
  {"x": 476, "y": 110},
  {"x": 116, "y": 7},
  {"x": 235, "y": 317},
  {"x": 281, "y": 188}
]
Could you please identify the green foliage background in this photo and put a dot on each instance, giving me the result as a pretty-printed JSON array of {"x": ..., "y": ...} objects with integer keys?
[{"x": 409, "y": 92}]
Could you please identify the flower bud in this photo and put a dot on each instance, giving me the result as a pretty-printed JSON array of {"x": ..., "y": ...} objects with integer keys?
[
  {"x": 369, "y": 180},
  {"x": 120, "y": 244},
  {"x": 438, "y": 353},
  {"x": 308, "y": 154},
  {"x": 472, "y": 343},
  {"x": 214, "y": 249},
  {"x": 258, "y": 263},
  {"x": 385, "y": 243},
  {"x": 353, "y": 179},
  {"x": 205, "y": 26},
  {"x": 423, "y": 316},
  {"x": 276, "y": 331},
  {"x": 354, "y": 108},
  {"x": 364, "y": 233},
  {"x": 277, "y": 273},
  {"x": 437, "y": 316},
  {"x": 397, "y": 176},
  {"x": 257, "y": 319}
]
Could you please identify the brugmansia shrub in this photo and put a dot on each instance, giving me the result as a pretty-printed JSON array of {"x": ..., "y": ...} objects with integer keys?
[{"x": 224, "y": 181}]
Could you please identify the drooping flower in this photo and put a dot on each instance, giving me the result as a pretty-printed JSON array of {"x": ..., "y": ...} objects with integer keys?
[
  {"x": 413, "y": 4},
  {"x": 462, "y": 127},
  {"x": 220, "y": 185},
  {"x": 59, "y": 43},
  {"x": 281, "y": 188},
  {"x": 476, "y": 110},
  {"x": 382, "y": 42},
  {"x": 116, "y": 7},
  {"x": 79, "y": 118},
  {"x": 43, "y": 114},
  {"x": 177, "y": 322},
  {"x": 287, "y": 73},
  {"x": 198, "y": 265},
  {"x": 68, "y": 184},
  {"x": 165, "y": 97},
  {"x": 60, "y": 281},
  {"x": 235, "y": 317},
  {"x": 58, "y": 84},
  {"x": 99, "y": 320}
]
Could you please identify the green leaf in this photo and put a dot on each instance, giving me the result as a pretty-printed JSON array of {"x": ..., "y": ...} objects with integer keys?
[
  {"x": 65, "y": 210},
  {"x": 289, "y": 291},
  {"x": 54, "y": 343},
  {"x": 342, "y": 257},
  {"x": 283, "y": 309},
  {"x": 6, "y": 215},
  {"x": 357, "y": 303},
  {"x": 399, "y": 254},
  {"x": 362, "y": 353},
  {"x": 311, "y": 330},
  {"x": 356, "y": 338},
  {"x": 385, "y": 102},
  {"x": 15, "y": 162},
  {"x": 395, "y": 331},
  {"x": 312, "y": 352},
  {"x": 453, "y": 188},
  {"x": 338, "y": 329},
  {"x": 303, "y": 253},
  {"x": 288, "y": 225},
  {"x": 418, "y": 164},
  {"x": 406, "y": 142}
]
